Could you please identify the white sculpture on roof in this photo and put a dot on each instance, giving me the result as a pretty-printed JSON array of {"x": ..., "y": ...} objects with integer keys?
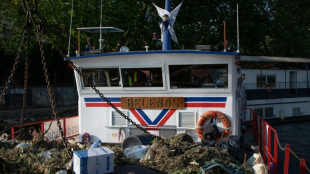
[{"x": 168, "y": 18}]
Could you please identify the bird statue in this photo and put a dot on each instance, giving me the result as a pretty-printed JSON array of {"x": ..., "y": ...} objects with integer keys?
[{"x": 168, "y": 20}]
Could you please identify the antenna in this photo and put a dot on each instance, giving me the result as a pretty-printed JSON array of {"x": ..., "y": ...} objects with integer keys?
[
  {"x": 238, "y": 45},
  {"x": 68, "y": 54},
  {"x": 100, "y": 40},
  {"x": 224, "y": 37}
]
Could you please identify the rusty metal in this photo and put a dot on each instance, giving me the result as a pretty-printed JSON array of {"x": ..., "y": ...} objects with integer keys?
[
  {"x": 26, "y": 76},
  {"x": 41, "y": 27},
  {"x": 36, "y": 19},
  {"x": 27, "y": 26},
  {"x": 50, "y": 92}
]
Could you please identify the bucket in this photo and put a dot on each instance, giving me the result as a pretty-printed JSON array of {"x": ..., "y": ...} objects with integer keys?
[{"x": 135, "y": 140}]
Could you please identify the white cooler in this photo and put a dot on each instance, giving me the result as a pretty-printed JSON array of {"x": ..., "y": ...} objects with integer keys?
[{"x": 94, "y": 160}]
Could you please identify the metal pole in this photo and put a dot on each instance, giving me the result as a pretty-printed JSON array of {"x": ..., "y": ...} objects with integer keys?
[
  {"x": 238, "y": 45},
  {"x": 167, "y": 37},
  {"x": 302, "y": 166},
  {"x": 286, "y": 159},
  {"x": 224, "y": 37},
  {"x": 100, "y": 40},
  {"x": 79, "y": 42}
]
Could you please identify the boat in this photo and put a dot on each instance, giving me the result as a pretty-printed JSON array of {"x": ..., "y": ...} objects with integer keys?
[
  {"x": 165, "y": 92},
  {"x": 277, "y": 88}
]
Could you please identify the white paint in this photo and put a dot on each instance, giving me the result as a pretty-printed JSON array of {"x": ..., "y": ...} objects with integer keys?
[{"x": 97, "y": 120}]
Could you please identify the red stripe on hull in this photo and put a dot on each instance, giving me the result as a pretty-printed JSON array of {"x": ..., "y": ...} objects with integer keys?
[
  {"x": 138, "y": 117},
  {"x": 210, "y": 105},
  {"x": 166, "y": 117}
]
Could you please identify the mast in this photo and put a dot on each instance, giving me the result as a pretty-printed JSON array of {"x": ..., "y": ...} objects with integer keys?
[
  {"x": 167, "y": 37},
  {"x": 238, "y": 45},
  {"x": 100, "y": 40}
]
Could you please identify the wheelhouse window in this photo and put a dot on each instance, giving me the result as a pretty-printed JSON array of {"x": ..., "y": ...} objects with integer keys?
[
  {"x": 142, "y": 77},
  {"x": 101, "y": 77},
  {"x": 198, "y": 76}
]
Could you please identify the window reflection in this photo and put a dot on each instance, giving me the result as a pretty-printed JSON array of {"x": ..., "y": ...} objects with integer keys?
[
  {"x": 101, "y": 77},
  {"x": 198, "y": 76},
  {"x": 142, "y": 77}
]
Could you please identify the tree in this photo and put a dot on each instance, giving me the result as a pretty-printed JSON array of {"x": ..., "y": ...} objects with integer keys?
[{"x": 267, "y": 27}]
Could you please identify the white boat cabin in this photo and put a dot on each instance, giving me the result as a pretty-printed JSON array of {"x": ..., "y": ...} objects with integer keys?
[
  {"x": 163, "y": 91},
  {"x": 277, "y": 87}
]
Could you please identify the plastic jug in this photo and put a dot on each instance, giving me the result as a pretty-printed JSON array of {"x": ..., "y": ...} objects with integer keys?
[{"x": 136, "y": 151}]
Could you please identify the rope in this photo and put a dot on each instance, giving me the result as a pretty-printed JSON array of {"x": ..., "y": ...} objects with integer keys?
[
  {"x": 300, "y": 160},
  {"x": 70, "y": 29},
  {"x": 283, "y": 149}
]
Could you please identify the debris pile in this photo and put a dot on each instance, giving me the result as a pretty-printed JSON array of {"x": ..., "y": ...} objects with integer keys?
[{"x": 177, "y": 154}]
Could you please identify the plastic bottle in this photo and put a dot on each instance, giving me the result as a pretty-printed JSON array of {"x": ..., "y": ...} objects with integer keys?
[
  {"x": 136, "y": 151},
  {"x": 96, "y": 144}
]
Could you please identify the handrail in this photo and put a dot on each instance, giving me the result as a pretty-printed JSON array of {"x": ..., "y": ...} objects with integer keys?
[
  {"x": 261, "y": 136},
  {"x": 42, "y": 126},
  {"x": 277, "y": 85}
]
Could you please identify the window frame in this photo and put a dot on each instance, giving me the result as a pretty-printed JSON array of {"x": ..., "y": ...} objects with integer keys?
[
  {"x": 108, "y": 88},
  {"x": 229, "y": 78},
  {"x": 265, "y": 81},
  {"x": 147, "y": 88}
]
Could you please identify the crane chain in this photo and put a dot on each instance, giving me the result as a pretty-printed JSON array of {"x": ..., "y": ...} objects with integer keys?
[
  {"x": 108, "y": 101},
  {"x": 27, "y": 27},
  {"x": 26, "y": 76},
  {"x": 38, "y": 24},
  {"x": 50, "y": 92},
  {"x": 42, "y": 26}
]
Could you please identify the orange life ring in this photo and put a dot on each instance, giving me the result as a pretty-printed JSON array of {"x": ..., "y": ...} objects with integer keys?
[
  {"x": 268, "y": 87},
  {"x": 215, "y": 114}
]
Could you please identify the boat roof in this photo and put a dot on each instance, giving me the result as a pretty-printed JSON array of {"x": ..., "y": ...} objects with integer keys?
[
  {"x": 103, "y": 29},
  {"x": 274, "y": 59},
  {"x": 265, "y": 62},
  {"x": 156, "y": 52}
]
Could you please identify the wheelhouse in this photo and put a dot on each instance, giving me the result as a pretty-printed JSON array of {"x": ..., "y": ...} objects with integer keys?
[{"x": 163, "y": 91}]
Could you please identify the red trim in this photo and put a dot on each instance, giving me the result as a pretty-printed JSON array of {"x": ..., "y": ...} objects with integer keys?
[
  {"x": 12, "y": 132},
  {"x": 302, "y": 166},
  {"x": 152, "y": 128},
  {"x": 275, "y": 153},
  {"x": 287, "y": 158},
  {"x": 102, "y": 104},
  {"x": 72, "y": 135},
  {"x": 135, "y": 113},
  {"x": 42, "y": 127},
  {"x": 64, "y": 128},
  {"x": 211, "y": 105},
  {"x": 237, "y": 62},
  {"x": 166, "y": 117}
]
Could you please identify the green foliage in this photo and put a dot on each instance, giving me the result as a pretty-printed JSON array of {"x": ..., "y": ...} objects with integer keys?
[{"x": 267, "y": 27}]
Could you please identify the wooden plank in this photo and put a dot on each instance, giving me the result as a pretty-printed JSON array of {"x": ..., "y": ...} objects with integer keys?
[{"x": 152, "y": 102}]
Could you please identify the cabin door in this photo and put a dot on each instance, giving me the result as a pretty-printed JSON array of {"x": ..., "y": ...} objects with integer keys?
[{"x": 293, "y": 81}]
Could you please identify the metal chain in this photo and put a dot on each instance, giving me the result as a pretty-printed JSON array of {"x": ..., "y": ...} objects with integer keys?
[
  {"x": 50, "y": 92},
  {"x": 10, "y": 78},
  {"x": 42, "y": 27},
  {"x": 107, "y": 100},
  {"x": 26, "y": 76},
  {"x": 47, "y": 80}
]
